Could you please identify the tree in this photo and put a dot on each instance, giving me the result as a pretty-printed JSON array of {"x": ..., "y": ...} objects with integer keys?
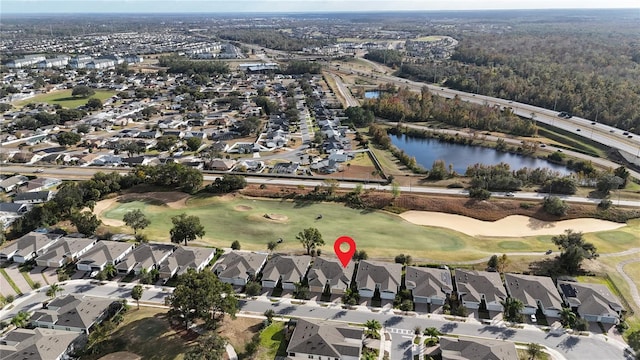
[
  {"x": 310, "y": 239},
  {"x": 235, "y": 245},
  {"x": 210, "y": 346},
  {"x": 53, "y": 290},
  {"x": 269, "y": 314},
  {"x": 351, "y": 297},
  {"x": 253, "y": 288},
  {"x": 568, "y": 318},
  {"x": 110, "y": 270},
  {"x": 555, "y": 206},
  {"x": 372, "y": 329},
  {"x": 136, "y": 294},
  {"x": 20, "y": 319},
  {"x": 503, "y": 262},
  {"x": 534, "y": 350},
  {"x": 493, "y": 262},
  {"x": 94, "y": 104},
  {"x": 512, "y": 308},
  {"x": 185, "y": 228},
  {"x": 403, "y": 259},
  {"x": 87, "y": 223},
  {"x": 395, "y": 189},
  {"x": 166, "y": 142},
  {"x": 193, "y": 143},
  {"x": 272, "y": 245},
  {"x": 623, "y": 174},
  {"x": 608, "y": 182},
  {"x": 573, "y": 250},
  {"x": 136, "y": 220},
  {"x": 68, "y": 138},
  {"x": 360, "y": 255},
  {"x": 82, "y": 91},
  {"x": 201, "y": 295}
]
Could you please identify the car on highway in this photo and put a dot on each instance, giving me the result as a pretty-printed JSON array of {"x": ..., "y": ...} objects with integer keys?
[
  {"x": 612, "y": 131},
  {"x": 577, "y": 129},
  {"x": 509, "y": 194},
  {"x": 37, "y": 171},
  {"x": 630, "y": 136},
  {"x": 625, "y": 133}
]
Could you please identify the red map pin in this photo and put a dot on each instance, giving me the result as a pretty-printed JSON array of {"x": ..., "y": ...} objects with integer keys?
[{"x": 345, "y": 256}]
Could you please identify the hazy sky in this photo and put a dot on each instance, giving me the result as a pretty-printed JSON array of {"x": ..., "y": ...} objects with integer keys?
[{"x": 213, "y": 6}]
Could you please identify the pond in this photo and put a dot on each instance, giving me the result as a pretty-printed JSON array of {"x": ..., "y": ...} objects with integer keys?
[{"x": 426, "y": 151}]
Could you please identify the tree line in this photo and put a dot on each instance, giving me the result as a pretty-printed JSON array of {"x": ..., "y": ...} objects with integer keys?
[{"x": 179, "y": 65}]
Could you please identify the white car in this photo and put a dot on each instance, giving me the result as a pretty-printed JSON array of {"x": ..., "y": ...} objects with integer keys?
[
  {"x": 533, "y": 318},
  {"x": 37, "y": 171},
  {"x": 509, "y": 194}
]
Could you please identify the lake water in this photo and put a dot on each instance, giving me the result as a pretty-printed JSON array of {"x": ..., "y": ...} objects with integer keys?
[{"x": 426, "y": 151}]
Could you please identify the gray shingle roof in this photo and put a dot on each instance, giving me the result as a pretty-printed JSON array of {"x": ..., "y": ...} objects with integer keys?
[
  {"x": 36, "y": 344},
  {"x": 146, "y": 255},
  {"x": 330, "y": 271},
  {"x": 65, "y": 246},
  {"x": 477, "y": 349},
  {"x": 289, "y": 268},
  {"x": 475, "y": 283},
  {"x": 428, "y": 282},
  {"x": 370, "y": 273},
  {"x": 29, "y": 243},
  {"x": 529, "y": 289},
  {"x": 239, "y": 264},
  {"x": 325, "y": 339},
  {"x": 186, "y": 257},
  {"x": 104, "y": 251},
  {"x": 73, "y": 311},
  {"x": 590, "y": 299}
]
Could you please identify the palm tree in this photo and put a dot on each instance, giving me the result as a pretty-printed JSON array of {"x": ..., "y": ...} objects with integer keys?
[
  {"x": 568, "y": 318},
  {"x": 534, "y": 350},
  {"x": 432, "y": 332},
  {"x": 20, "y": 320},
  {"x": 53, "y": 290},
  {"x": 512, "y": 308},
  {"x": 373, "y": 329},
  {"x": 136, "y": 294},
  {"x": 272, "y": 245},
  {"x": 110, "y": 270}
]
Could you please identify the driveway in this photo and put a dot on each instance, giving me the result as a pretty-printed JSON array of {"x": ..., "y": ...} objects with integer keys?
[
  {"x": 5, "y": 287},
  {"x": 14, "y": 273},
  {"x": 37, "y": 276},
  {"x": 50, "y": 275}
]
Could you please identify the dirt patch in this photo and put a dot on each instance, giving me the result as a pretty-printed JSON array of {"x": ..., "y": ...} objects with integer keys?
[
  {"x": 242, "y": 208},
  {"x": 510, "y": 226},
  {"x": 277, "y": 217},
  {"x": 172, "y": 199},
  {"x": 121, "y": 355},
  {"x": 239, "y": 331}
]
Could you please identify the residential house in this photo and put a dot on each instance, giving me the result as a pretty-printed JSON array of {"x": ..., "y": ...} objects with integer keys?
[
  {"x": 475, "y": 287},
  {"x": 239, "y": 267},
  {"x": 593, "y": 302},
  {"x": 103, "y": 253},
  {"x": 477, "y": 349},
  {"x": 535, "y": 292},
  {"x": 384, "y": 277},
  {"x": 324, "y": 340},
  {"x": 285, "y": 168},
  {"x": 329, "y": 274},
  {"x": 38, "y": 344},
  {"x": 27, "y": 247},
  {"x": 74, "y": 313},
  {"x": 10, "y": 212},
  {"x": 184, "y": 258},
  {"x": 221, "y": 164},
  {"x": 146, "y": 256},
  {"x": 429, "y": 285},
  {"x": 286, "y": 270},
  {"x": 33, "y": 197},
  {"x": 65, "y": 250},
  {"x": 11, "y": 183},
  {"x": 40, "y": 184},
  {"x": 108, "y": 160}
]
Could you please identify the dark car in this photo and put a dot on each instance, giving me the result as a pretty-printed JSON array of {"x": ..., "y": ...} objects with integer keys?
[
  {"x": 577, "y": 129},
  {"x": 548, "y": 252},
  {"x": 625, "y": 133}
]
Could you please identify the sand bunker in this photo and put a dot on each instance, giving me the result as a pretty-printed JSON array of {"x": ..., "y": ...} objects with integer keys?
[
  {"x": 276, "y": 217},
  {"x": 511, "y": 226},
  {"x": 172, "y": 199},
  {"x": 242, "y": 208}
]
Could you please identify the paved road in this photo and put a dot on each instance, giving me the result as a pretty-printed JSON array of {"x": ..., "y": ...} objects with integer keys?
[
  {"x": 344, "y": 91},
  {"x": 603, "y": 134},
  {"x": 69, "y": 173},
  {"x": 571, "y": 347}
]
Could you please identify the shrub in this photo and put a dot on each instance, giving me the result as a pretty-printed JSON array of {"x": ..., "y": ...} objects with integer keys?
[
  {"x": 605, "y": 204},
  {"x": 235, "y": 245},
  {"x": 555, "y": 206}
]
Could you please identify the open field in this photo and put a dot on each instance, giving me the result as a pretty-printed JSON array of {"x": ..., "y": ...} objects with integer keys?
[
  {"x": 381, "y": 234},
  {"x": 64, "y": 98},
  {"x": 141, "y": 332}
]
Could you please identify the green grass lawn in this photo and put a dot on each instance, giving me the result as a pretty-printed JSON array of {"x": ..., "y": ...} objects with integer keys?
[
  {"x": 272, "y": 341},
  {"x": 64, "y": 98},
  {"x": 381, "y": 235}
]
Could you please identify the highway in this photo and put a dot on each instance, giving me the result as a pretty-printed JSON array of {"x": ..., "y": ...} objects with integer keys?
[
  {"x": 79, "y": 173},
  {"x": 604, "y": 134}
]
